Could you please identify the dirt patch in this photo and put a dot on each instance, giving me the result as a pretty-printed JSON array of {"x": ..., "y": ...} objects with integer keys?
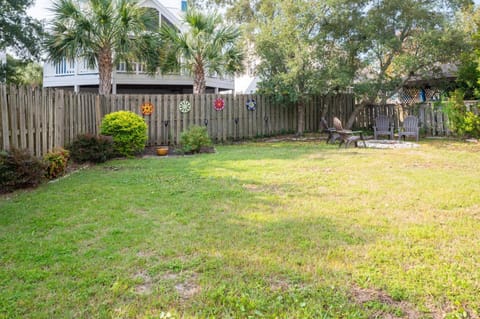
[
  {"x": 363, "y": 296},
  {"x": 188, "y": 288},
  {"x": 169, "y": 276},
  {"x": 145, "y": 253},
  {"x": 277, "y": 284},
  {"x": 145, "y": 287}
]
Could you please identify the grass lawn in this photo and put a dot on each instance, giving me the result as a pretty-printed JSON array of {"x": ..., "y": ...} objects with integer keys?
[{"x": 260, "y": 230}]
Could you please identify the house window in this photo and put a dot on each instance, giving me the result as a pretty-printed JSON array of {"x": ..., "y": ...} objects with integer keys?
[{"x": 184, "y": 5}]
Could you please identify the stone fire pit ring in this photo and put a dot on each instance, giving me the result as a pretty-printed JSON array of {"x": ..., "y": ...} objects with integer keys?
[{"x": 388, "y": 144}]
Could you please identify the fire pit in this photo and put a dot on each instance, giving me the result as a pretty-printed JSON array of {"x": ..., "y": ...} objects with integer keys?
[{"x": 388, "y": 144}]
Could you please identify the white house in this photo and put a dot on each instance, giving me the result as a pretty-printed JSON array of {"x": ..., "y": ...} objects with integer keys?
[{"x": 75, "y": 75}]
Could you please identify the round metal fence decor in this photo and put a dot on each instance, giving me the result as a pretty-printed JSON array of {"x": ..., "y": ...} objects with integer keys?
[
  {"x": 147, "y": 108},
  {"x": 219, "y": 104},
  {"x": 251, "y": 105},
  {"x": 184, "y": 106}
]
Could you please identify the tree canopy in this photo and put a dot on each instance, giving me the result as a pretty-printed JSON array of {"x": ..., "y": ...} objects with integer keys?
[
  {"x": 372, "y": 46},
  {"x": 23, "y": 72},
  {"x": 206, "y": 46},
  {"x": 19, "y": 32}
]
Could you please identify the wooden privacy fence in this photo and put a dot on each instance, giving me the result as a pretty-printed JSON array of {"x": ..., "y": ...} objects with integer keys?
[
  {"x": 40, "y": 120},
  {"x": 234, "y": 122},
  {"x": 433, "y": 121}
]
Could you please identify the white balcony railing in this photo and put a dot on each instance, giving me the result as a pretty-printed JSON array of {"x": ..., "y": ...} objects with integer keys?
[
  {"x": 65, "y": 67},
  {"x": 80, "y": 67}
]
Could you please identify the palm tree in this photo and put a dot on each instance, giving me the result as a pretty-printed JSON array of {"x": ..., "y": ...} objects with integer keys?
[
  {"x": 104, "y": 33},
  {"x": 206, "y": 47}
]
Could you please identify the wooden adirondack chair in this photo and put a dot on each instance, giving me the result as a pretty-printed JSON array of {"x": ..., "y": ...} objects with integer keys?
[
  {"x": 332, "y": 132},
  {"x": 383, "y": 126},
  {"x": 410, "y": 128},
  {"x": 347, "y": 136}
]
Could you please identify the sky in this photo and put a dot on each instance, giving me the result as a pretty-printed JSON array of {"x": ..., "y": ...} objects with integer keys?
[{"x": 40, "y": 9}]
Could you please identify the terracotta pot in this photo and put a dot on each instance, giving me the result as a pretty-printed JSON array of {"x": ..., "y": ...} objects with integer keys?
[{"x": 162, "y": 150}]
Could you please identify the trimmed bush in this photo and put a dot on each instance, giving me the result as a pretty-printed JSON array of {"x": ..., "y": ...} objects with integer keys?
[
  {"x": 91, "y": 148},
  {"x": 192, "y": 140},
  {"x": 462, "y": 121},
  {"x": 19, "y": 169},
  {"x": 128, "y": 130},
  {"x": 56, "y": 162}
]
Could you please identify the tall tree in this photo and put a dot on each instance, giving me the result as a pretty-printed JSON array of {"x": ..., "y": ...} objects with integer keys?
[
  {"x": 104, "y": 33},
  {"x": 386, "y": 43},
  {"x": 286, "y": 50},
  {"x": 374, "y": 46},
  {"x": 18, "y": 31},
  {"x": 205, "y": 47}
]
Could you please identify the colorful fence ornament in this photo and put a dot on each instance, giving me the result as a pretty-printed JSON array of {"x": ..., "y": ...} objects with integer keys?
[
  {"x": 147, "y": 108},
  {"x": 219, "y": 104},
  {"x": 251, "y": 105},
  {"x": 184, "y": 106}
]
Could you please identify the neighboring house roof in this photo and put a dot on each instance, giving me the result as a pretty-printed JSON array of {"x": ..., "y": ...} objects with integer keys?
[
  {"x": 172, "y": 14},
  {"x": 445, "y": 73}
]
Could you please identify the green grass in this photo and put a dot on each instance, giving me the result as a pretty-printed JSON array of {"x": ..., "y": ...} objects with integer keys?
[{"x": 260, "y": 230}]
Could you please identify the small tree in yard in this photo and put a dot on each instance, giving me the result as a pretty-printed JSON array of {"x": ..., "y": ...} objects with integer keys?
[{"x": 288, "y": 65}]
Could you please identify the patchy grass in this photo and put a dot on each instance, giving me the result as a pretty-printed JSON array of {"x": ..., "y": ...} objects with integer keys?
[{"x": 274, "y": 230}]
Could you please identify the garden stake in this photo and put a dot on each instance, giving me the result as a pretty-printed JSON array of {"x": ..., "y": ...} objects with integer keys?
[
  {"x": 237, "y": 133},
  {"x": 165, "y": 123},
  {"x": 266, "y": 125}
]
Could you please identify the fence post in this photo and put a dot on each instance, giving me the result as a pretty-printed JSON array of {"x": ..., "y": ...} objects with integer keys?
[
  {"x": 98, "y": 114},
  {"x": 59, "y": 118},
  {"x": 4, "y": 114}
]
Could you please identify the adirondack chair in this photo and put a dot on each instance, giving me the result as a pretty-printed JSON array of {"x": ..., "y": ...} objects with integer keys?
[
  {"x": 332, "y": 132},
  {"x": 347, "y": 137},
  {"x": 409, "y": 128},
  {"x": 383, "y": 126}
]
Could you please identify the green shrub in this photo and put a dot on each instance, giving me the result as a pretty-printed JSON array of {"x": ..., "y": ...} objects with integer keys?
[
  {"x": 471, "y": 125},
  {"x": 128, "y": 130},
  {"x": 461, "y": 121},
  {"x": 56, "y": 162},
  {"x": 19, "y": 169},
  {"x": 192, "y": 140},
  {"x": 91, "y": 148}
]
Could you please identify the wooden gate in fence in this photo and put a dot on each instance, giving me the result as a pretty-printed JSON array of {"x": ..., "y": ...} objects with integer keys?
[{"x": 39, "y": 120}]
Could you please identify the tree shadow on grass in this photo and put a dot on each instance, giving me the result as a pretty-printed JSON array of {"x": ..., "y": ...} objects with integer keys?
[{"x": 252, "y": 247}]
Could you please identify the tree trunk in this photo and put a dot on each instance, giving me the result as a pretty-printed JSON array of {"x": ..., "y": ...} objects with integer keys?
[
  {"x": 301, "y": 118},
  {"x": 356, "y": 110},
  {"x": 105, "y": 66},
  {"x": 199, "y": 85}
]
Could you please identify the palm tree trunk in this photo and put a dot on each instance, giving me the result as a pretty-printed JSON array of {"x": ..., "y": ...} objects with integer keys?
[
  {"x": 199, "y": 85},
  {"x": 301, "y": 118},
  {"x": 105, "y": 66}
]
